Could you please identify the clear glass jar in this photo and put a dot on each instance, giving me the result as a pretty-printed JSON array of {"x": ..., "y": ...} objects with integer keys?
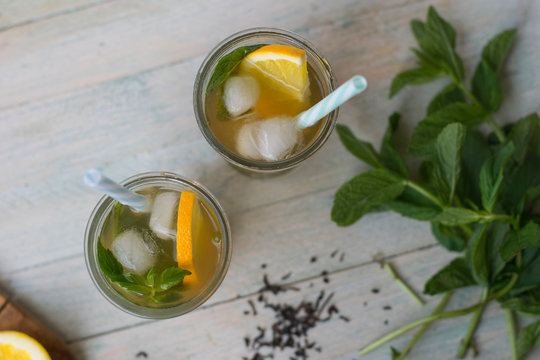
[
  {"x": 97, "y": 220},
  {"x": 323, "y": 72}
]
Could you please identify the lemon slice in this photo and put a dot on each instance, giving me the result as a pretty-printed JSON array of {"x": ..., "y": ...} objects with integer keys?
[
  {"x": 280, "y": 67},
  {"x": 16, "y": 345},
  {"x": 184, "y": 235}
]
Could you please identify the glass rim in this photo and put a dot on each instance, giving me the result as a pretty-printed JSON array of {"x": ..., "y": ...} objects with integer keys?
[
  {"x": 95, "y": 224},
  {"x": 206, "y": 69}
]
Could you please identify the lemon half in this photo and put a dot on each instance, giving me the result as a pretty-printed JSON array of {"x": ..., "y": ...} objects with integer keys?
[{"x": 15, "y": 345}]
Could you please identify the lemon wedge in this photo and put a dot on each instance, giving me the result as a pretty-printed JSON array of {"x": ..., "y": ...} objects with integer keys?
[
  {"x": 15, "y": 345},
  {"x": 280, "y": 67}
]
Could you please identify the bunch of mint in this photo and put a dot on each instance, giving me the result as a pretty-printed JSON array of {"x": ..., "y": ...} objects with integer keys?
[{"x": 477, "y": 190}]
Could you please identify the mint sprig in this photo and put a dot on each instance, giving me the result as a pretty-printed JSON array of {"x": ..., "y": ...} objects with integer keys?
[
  {"x": 227, "y": 64},
  {"x": 159, "y": 288},
  {"x": 478, "y": 191}
]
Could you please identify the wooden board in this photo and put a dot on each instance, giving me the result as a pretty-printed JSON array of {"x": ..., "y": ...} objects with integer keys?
[{"x": 12, "y": 317}]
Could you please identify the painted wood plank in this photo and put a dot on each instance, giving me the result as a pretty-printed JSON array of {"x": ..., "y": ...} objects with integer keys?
[
  {"x": 111, "y": 37},
  {"x": 19, "y": 13},
  {"x": 225, "y": 325}
]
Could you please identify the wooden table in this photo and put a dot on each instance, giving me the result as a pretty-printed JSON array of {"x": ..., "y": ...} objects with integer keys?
[{"x": 108, "y": 83}]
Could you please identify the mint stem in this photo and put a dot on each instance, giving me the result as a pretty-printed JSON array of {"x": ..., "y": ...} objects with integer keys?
[
  {"x": 423, "y": 329},
  {"x": 510, "y": 323},
  {"x": 402, "y": 330},
  {"x": 418, "y": 188},
  {"x": 498, "y": 131},
  {"x": 489, "y": 118},
  {"x": 466, "y": 342},
  {"x": 403, "y": 285}
]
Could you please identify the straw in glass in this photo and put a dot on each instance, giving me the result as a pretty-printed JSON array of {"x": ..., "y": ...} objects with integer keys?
[
  {"x": 94, "y": 178},
  {"x": 350, "y": 88}
]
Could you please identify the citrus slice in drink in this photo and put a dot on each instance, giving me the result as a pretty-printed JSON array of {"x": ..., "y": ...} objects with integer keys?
[
  {"x": 184, "y": 235},
  {"x": 279, "y": 67},
  {"x": 19, "y": 346}
]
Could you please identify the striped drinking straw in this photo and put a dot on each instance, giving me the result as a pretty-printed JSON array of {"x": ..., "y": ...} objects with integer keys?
[
  {"x": 94, "y": 178},
  {"x": 352, "y": 87}
]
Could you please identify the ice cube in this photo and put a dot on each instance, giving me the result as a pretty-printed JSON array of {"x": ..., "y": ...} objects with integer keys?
[
  {"x": 269, "y": 139},
  {"x": 133, "y": 253},
  {"x": 240, "y": 93},
  {"x": 162, "y": 220}
]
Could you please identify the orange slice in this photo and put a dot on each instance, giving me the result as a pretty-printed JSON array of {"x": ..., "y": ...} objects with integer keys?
[
  {"x": 279, "y": 67},
  {"x": 184, "y": 235},
  {"x": 16, "y": 345}
]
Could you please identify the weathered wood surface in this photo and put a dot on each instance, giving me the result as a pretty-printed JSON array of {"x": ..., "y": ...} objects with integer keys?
[{"x": 109, "y": 82}]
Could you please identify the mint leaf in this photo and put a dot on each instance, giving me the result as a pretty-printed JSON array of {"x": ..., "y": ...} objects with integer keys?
[
  {"x": 221, "y": 110},
  {"x": 133, "y": 279},
  {"x": 486, "y": 87},
  {"x": 426, "y": 61},
  {"x": 359, "y": 148},
  {"x": 455, "y": 275},
  {"x": 474, "y": 153},
  {"x": 168, "y": 297},
  {"x": 389, "y": 156},
  {"x": 452, "y": 216},
  {"x": 478, "y": 256},
  {"x": 425, "y": 133},
  {"x": 172, "y": 276},
  {"x": 227, "y": 64},
  {"x": 439, "y": 41},
  {"x": 528, "y": 338},
  {"x": 524, "y": 178},
  {"x": 448, "y": 166},
  {"x": 497, "y": 49},
  {"x": 448, "y": 237},
  {"x": 412, "y": 210},
  {"x": 417, "y": 76},
  {"x": 523, "y": 304},
  {"x": 491, "y": 176},
  {"x": 528, "y": 236},
  {"x": 413, "y": 205},
  {"x": 436, "y": 24},
  {"x": 496, "y": 234},
  {"x": 525, "y": 136},
  {"x": 450, "y": 94},
  {"x": 395, "y": 353},
  {"x": 363, "y": 192},
  {"x": 134, "y": 288},
  {"x": 151, "y": 277},
  {"x": 529, "y": 276},
  {"x": 108, "y": 263}
]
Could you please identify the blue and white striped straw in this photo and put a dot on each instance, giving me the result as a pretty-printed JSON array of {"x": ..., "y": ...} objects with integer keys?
[
  {"x": 352, "y": 87},
  {"x": 94, "y": 178}
]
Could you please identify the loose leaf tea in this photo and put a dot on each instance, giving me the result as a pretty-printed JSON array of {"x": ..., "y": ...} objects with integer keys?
[{"x": 477, "y": 190}]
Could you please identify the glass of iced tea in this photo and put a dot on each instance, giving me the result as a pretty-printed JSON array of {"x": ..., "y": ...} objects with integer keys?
[
  {"x": 248, "y": 91},
  {"x": 165, "y": 261}
]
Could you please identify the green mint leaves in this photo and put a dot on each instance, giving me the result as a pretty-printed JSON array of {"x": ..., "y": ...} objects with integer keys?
[
  {"x": 108, "y": 263},
  {"x": 364, "y": 192},
  {"x": 227, "y": 64},
  {"x": 157, "y": 287},
  {"x": 455, "y": 275},
  {"x": 171, "y": 277},
  {"x": 480, "y": 192}
]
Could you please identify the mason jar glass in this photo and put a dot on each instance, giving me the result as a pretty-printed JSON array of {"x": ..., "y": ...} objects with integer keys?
[
  {"x": 168, "y": 182},
  {"x": 255, "y": 36}
]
